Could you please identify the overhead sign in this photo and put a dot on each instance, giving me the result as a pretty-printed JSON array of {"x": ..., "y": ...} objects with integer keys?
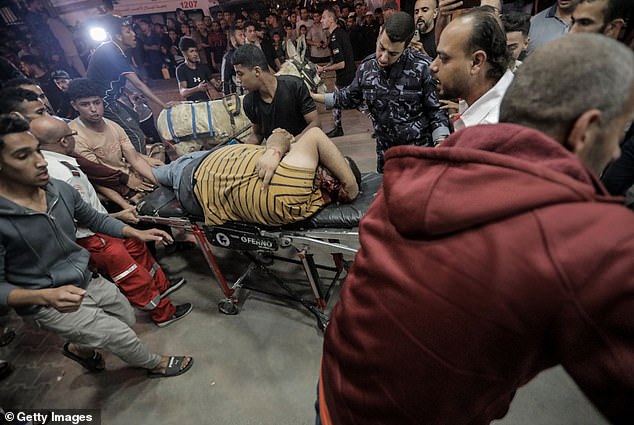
[{"x": 139, "y": 7}]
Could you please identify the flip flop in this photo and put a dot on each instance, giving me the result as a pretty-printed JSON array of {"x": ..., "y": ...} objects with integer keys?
[
  {"x": 5, "y": 369},
  {"x": 93, "y": 363},
  {"x": 173, "y": 368},
  {"x": 6, "y": 337}
]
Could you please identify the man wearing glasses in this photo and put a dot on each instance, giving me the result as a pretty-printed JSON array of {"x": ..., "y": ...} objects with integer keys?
[{"x": 126, "y": 261}]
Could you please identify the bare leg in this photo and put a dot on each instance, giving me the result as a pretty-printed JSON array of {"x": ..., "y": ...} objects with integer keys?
[{"x": 314, "y": 148}]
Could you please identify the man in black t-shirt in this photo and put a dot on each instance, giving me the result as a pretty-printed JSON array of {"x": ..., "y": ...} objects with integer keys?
[
  {"x": 425, "y": 13},
  {"x": 193, "y": 77},
  {"x": 272, "y": 102},
  {"x": 228, "y": 75},
  {"x": 111, "y": 69},
  {"x": 341, "y": 61}
]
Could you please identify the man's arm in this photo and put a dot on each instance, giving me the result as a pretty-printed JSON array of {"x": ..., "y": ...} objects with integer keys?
[
  {"x": 277, "y": 145},
  {"x": 113, "y": 196},
  {"x": 312, "y": 120},
  {"x": 103, "y": 223},
  {"x": 331, "y": 67},
  {"x": 347, "y": 98},
  {"x": 149, "y": 235},
  {"x": 185, "y": 92},
  {"x": 64, "y": 299},
  {"x": 256, "y": 136},
  {"x": 137, "y": 162},
  {"x": 127, "y": 215},
  {"x": 136, "y": 82}
]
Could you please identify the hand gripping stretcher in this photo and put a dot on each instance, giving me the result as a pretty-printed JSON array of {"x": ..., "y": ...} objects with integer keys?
[{"x": 332, "y": 231}]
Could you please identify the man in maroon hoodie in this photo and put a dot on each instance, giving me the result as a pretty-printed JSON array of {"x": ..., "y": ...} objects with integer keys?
[{"x": 494, "y": 257}]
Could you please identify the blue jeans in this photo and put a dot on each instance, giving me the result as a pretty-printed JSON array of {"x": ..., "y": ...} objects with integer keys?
[{"x": 170, "y": 175}]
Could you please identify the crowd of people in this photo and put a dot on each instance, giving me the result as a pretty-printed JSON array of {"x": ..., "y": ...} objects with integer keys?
[{"x": 492, "y": 126}]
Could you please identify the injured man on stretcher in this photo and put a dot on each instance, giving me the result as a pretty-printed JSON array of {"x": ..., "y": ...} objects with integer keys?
[{"x": 285, "y": 181}]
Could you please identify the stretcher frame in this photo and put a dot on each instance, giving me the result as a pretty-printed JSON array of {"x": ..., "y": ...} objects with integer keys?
[{"x": 337, "y": 243}]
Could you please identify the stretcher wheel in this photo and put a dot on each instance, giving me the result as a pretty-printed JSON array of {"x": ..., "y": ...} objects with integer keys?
[{"x": 227, "y": 306}]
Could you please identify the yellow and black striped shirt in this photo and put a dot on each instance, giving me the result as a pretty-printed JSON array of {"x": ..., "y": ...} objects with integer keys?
[{"x": 229, "y": 189}]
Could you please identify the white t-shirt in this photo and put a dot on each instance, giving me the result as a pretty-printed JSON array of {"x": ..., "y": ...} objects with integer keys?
[{"x": 65, "y": 168}]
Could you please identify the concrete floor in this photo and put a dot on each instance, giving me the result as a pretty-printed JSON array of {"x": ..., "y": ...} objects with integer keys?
[{"x": 256, "y": 368}]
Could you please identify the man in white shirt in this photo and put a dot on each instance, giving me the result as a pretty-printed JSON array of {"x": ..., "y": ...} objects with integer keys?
[
  {"x": 317, "y": 39},
  {"x": 473, "y": 65},
  {"x": 304, "y": 19}
]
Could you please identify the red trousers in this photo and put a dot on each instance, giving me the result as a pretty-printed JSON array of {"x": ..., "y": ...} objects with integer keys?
[{"x": 133, "y": 269}]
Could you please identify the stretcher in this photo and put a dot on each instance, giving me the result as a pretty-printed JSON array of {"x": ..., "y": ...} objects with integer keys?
[{"x": 333, "y": 231}]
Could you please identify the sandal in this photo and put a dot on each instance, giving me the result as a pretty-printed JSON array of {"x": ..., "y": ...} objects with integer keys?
[
  {"x": 5, "y": 369},
  {"x": 93, "y": 363},
  {"x": 173, "y": 367},
  {"x": 6, "y": 337}
]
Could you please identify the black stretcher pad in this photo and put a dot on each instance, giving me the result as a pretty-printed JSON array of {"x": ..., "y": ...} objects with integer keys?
[{"x": 162, "y": 202}]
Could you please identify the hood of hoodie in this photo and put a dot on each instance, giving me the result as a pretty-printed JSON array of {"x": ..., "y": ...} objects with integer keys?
[{"x": 481, "y": 174}]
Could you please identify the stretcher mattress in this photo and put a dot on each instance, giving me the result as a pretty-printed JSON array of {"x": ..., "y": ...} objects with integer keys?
[{"x": 162, "y": 202}]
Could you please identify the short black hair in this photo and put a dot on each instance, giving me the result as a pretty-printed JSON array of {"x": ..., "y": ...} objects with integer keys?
[
  {"x": 616, "y": 9},
  {"x": 81, "y": 88},
  {"x": 253, "y": 24},
  {"x": 11, "y": 123},
  {"x": 487, "y": 35},
  {"x": 186, "y": 43},
  {"x": 12, "y": 97},
  {"x": 233, "y": 29},
  {"x": 331, "y": 11},
  {"x": 17, "y": 82},
  {"x": 515, "y": 21},
  {"x": 400, "y": 27},
  {"x": 113, "y": 24},
  {"x": 250, "y": 56}
]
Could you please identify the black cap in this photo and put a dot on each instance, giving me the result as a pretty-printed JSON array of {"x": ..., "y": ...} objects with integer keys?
[
  {"x": 60, "y": 74},
  {"x": 113, "y": 23}
]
